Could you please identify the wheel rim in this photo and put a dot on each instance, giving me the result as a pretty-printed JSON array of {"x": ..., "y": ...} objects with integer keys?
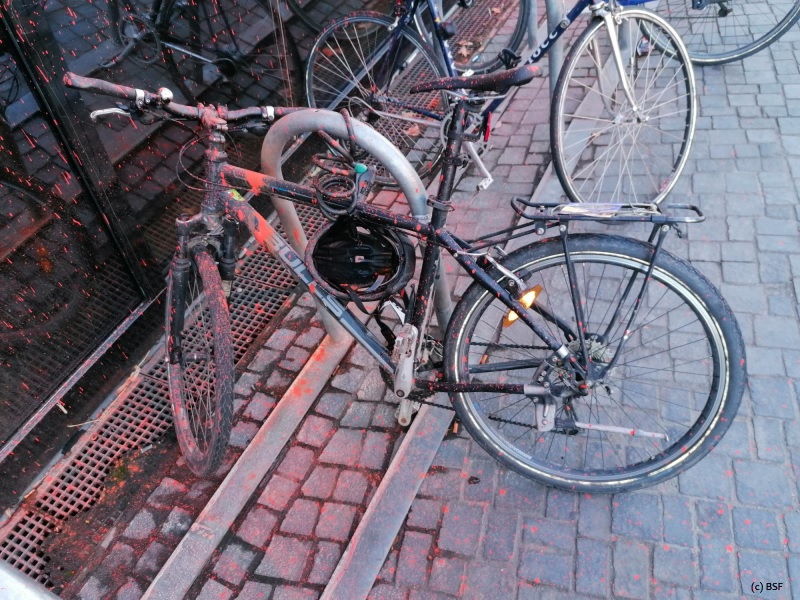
[
  {"x": 642, "y": 395},
  {"x": 607, "y": 152},
  {"x": 347, "y": 71},
  {"x": 193, "y": 384},
  {"x": 227, "y": 58},
  {"x": 720, "y": 32}
]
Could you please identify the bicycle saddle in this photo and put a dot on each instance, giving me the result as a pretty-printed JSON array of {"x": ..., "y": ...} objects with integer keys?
[{"x": 492, "y": 82}]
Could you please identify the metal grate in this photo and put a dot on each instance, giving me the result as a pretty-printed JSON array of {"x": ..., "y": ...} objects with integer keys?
[{"x": 138, "y": 415}]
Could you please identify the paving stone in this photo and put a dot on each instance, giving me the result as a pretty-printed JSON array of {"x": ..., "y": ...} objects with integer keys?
[
  {"x": 301, "y": 518},
  {"x": 310, "y": 338},
  {"x": 501, "y": 535},
  {"x": 710, "y": 478},
  {"x": 490, "y": 580},
  {"x": 447, "y": 575},
  {"x": 759, "y": 566},
  {"x": 281, "y": 339},
  {"x": 514, "y": 491},
  {"x": 772, "y": 397},
  {"x": 631, "y": 569},
  {"x": 296, "y": 463},
  {"x": 350, "y": 487},
  {"x": 561, "y": 505},
  {"x": 461, "y": 528},
  {"x": 277, "y": 492},
  {"x": 412, "y": 564},
  {"x": 234, "y": 563},
  {"x": 593, "y": 571},
  {"x": 259, "y": 407},
  {"x": 481, "y": 478},
  {"x": 320, "y": 483},
  {"x": 93, "y": 589},
  {"x": 167, "y": 493},
  {"x": 335, "y": 521},
  {"x": 678, "y": 526},
  {"x": 762, "y": 484},
  {"x": 674, "y": 564},
  {"x": 344, "y": 448},
  {"x": 452, "y": 453},
  {"x": 332, "y": 404},
  {"x": 130, "y": 591},
  {"x": 384, "y": 415},
  {"x": 594, "y": 516},
  {"x": 372, "y": 388},
  {"x": 257, "y": 526},
  {"x": 285, "y": 558},
  {"x": 325, "y": 562},
  {"x": 200, "y": 489},
  {"x": 716, "y": 565},
  {"x": 242, "y": 432},
  {"x": 389, "y": 567},
  {"x": 441, "y": 484},
  {"x": 348, "y": 380},
  {"x": 638, "y": 516},
  {"x": 278, "y": 381},
  {"x": 254, "y": 590},
  {"x": 141, "y": 526},
  {"x": 294, "y": 359},
  {"x": 358, "y": 415},
  {"x": 557, "y": 535},
  {"x": 714, "y": 520},
  {"x": 246, "y": 384},
  {"x": 756, "y": 529},
  {"x": 387, "y": 592},
  {"x": 214, "y": 590},
  {"x": 376, "y": 445},
  {"x": 316, "y": 431},
  {"x": 152, "y": 559},
  {"x": 265, "y": 360},
  {"x": 177, "y": 523},
  {"x": 544, "y": 567}
]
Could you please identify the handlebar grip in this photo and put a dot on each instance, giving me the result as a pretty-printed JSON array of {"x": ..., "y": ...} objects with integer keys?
[{"x": 98, "y": 85}]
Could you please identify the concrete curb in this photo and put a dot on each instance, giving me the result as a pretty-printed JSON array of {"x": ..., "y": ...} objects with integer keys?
[{"x": 197, "y": 546}]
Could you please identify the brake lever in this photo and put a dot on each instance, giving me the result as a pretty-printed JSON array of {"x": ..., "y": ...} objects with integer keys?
[{"x": 120, "y": 109}]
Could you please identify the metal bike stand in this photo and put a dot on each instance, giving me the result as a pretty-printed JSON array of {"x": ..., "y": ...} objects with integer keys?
[
  {"x": 555, "y": 55},
  {"x": 377, "y": 146},
  {"x": 15, "y": 584}
]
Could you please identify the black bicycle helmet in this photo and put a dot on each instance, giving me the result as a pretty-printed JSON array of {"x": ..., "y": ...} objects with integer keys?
[{"x": 351, "y": 258}]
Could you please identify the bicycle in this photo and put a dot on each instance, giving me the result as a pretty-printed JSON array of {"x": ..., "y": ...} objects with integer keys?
[
  {"x": 622, "y": 117},
  {"x": 233, "y": 52},
  {"x": 721, "y": 31},
  {"x": 586, "y": 361}
]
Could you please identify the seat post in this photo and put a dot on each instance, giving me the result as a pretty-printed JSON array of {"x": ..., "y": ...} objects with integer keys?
[{"x": 452, "y": 161}]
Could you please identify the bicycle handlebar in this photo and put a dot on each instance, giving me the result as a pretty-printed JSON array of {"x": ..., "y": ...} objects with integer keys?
[{"x": 163, "y": 100}]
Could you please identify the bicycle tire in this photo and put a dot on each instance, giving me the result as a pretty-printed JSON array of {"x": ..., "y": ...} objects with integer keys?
[
  {"x": 721, "y": 33},
  {"x": 694, "y": 405},
  {"x": 500, "y": 28},
  {"x": 213, "y": 61},
  {"x": 359, "y": 43},
  {"x": 201, "y": 383},
  {"x": 602, "y": 152}
]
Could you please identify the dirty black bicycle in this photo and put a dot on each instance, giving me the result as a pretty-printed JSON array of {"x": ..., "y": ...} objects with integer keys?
[{"x": 586, "y": 361}]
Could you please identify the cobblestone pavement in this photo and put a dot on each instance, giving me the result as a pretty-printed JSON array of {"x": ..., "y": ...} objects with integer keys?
[{"x": 478, "y": 531}]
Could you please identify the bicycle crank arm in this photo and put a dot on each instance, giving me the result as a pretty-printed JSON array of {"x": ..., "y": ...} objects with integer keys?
[{"x": 569, "y": 424}]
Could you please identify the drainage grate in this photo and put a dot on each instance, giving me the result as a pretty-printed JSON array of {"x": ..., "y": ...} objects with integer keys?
[{"x": 138, "y": 415}]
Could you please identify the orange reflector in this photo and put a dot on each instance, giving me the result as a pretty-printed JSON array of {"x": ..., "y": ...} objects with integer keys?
[{"x": 527, "y": 299}]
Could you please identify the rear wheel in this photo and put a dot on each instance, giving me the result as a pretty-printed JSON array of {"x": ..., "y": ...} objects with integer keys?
[
  {"x": 200, "y": 364},
  {"x": 721, "y": 31},
  {"x": 677, "y": 380},
  {"x": 363, "y": 64}
]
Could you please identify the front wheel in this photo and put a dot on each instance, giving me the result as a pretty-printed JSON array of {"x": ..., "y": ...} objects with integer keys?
[
  {"x": 363, "y": 63},
  {"x": 669, "y": 396},
  {"x": 605, "y": 147},
  {"x": 199, "y": 351}
]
